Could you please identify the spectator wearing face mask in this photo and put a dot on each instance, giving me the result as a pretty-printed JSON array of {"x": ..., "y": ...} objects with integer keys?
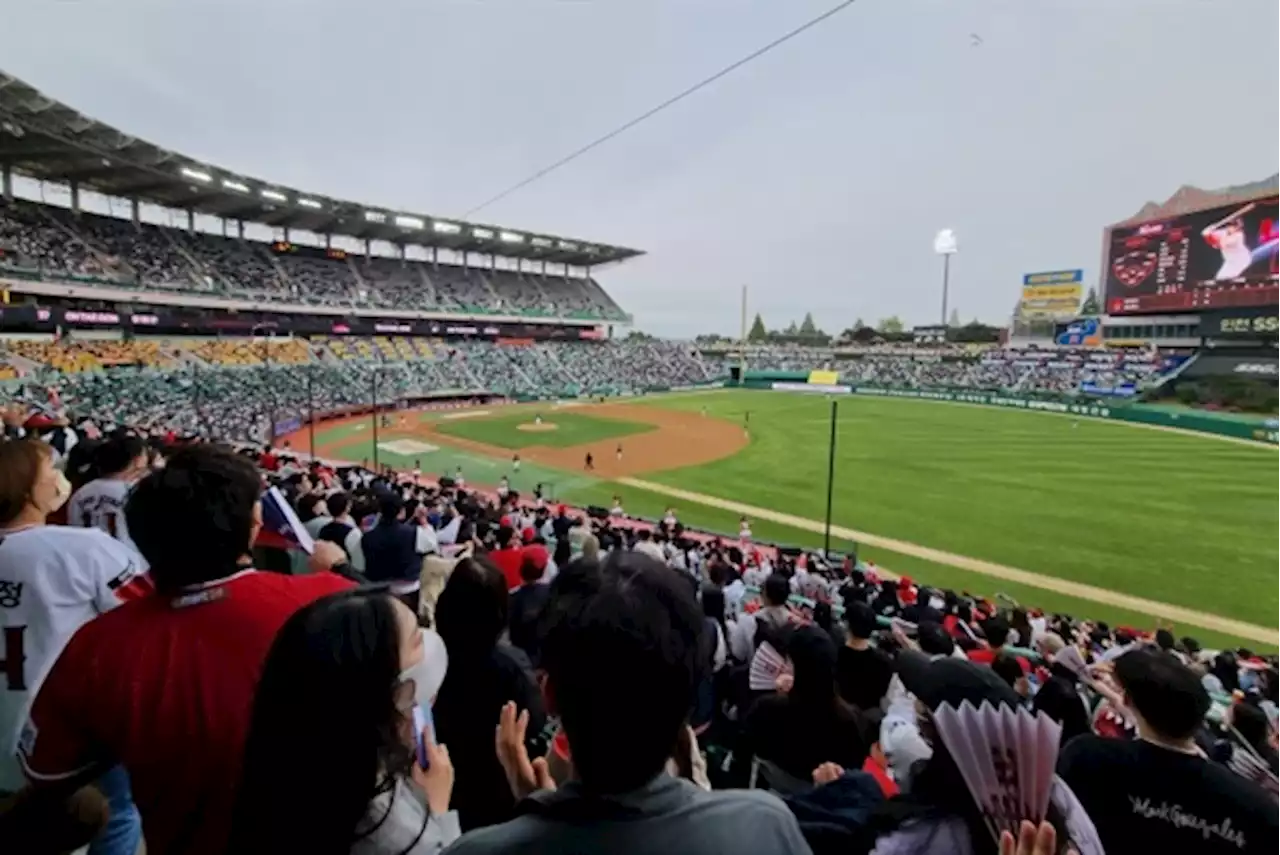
[
  {"x": 53, "y": 580},
  {"x": 164, "y": 684},
  {"x": 1158, "y": 792},
  {"x": 335, "y": 707},
  {"x": 623, "y": 656}
]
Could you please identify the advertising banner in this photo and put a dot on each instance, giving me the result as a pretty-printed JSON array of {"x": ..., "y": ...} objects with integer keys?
[
  {"x": 824, "y": 378},
  {"x": 1051, "y": 294}
]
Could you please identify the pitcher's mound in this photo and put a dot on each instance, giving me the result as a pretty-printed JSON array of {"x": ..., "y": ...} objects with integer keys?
[{"x": 535, "y": 426}]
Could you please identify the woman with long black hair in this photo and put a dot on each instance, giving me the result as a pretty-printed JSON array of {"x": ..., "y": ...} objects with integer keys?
[
  {"x": 810, "y": 724},
  {"x": 484, "y": 674},
  {"x": 333, "y": 765}
]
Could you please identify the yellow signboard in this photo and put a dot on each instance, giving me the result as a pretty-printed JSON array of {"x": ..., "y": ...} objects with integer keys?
[
  {"x": 1039, "y": 293},
  {"x": 824, "y": 378}
]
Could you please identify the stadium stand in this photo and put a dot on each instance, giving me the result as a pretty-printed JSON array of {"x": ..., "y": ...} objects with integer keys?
[{"x": 169, "y": 676}]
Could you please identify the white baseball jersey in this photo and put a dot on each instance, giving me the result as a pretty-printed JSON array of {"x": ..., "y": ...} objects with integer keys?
[
  {"x": 53, "y": 580},
  {"x": 100, "y": 504}
]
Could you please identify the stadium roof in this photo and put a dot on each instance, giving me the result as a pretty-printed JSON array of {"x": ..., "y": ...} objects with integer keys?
[
  {"x": 1189, "y": 199},
  {"x": 45, "y": 139}
]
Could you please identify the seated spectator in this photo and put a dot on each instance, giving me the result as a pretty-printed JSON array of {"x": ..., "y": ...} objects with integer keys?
[
  {"x": 1158, "y": 792},
  {"x": 863, "y": 671},
  {"x": 646, "y": 545},
  {"x": 53, "y": 580},
  {"x": 1008, "y": 669},
  {"x": 484, "y": 674},
  {"x": 345, "y": 673},
  {"x": 997, "y": 632},
  {"x": 935, "y": 813},
  {"x": 622, "y": 655},
  {"x": 164, "y": 684},
  {"x": 810, "y": 724}
]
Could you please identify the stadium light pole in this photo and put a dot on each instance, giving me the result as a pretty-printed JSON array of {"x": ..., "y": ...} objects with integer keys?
[
  {"x": 831, "y": 479},
  {"x": 311, "y": 411},
  {"x": 944, "y": 244},
  {"x": 374, "y": 383}
]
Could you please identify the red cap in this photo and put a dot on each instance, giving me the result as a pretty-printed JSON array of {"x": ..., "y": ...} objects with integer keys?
[
  {"x": 527, "y": 535},
  {"x": 537, "y": 553}
]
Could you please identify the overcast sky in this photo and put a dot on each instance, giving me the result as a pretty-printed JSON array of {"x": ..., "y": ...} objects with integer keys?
[{"x": 817, "y": 175}]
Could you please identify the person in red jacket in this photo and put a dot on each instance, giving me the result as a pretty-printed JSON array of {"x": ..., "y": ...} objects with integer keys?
[{"x": 164, "y": 685}]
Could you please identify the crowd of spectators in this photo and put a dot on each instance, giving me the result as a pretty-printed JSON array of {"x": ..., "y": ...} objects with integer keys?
[
  {"x": 244, "y": 650},
  {"x": 1051, "y": 370},
  {"x": 236, "y": 388},
  {"x": 56, "y": 242}
]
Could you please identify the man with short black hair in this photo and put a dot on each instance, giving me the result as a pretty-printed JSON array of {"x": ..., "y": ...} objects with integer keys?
[
  {"x": 623, "y": 654},
  {"x": 164, "y": 684},
  {"x": 342, "y": 529},
  {"x": 863, "y": 671},
  {"x": 393, "y": 550},
  {"x": 1159, "y": 793}
]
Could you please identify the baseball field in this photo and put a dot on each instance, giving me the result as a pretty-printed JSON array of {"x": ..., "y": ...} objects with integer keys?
[{"x": 1095, "y": 518}]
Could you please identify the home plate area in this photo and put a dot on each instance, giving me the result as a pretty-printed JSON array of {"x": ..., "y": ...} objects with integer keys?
[{"x": 408, "y": 447}]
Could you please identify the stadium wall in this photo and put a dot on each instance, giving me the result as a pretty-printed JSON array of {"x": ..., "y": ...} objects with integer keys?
[{"x": 1262, "y": 430}]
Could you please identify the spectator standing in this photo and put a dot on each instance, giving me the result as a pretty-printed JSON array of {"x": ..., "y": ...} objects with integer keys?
[
  {"x": 484, "y": 674},
  {"x": 810, "y": 724},
  {"x": 646, "y": 546},
  {"x": 342, "y": 529},
  {"x": 1158, "y": 792},
  {"x": 164, "y": 684},
  {"x": 622, "y": 654},
  {"x": 53, "y": 580},
  {"x": 346, "y": 672},
  {"x": 935, "y": 813},
  {"x": 863, "y": 671},
  {"x": 508, "y": 557},
  {"x": 527, "y": 604},
  {"x": 120, "y": 462},
  {"x": 393, "y": 550}
]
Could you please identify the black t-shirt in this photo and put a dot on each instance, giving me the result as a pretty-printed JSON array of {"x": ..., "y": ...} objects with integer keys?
[
  {"x": 1144, "y": 798},
  {"x": 863, "y": 676},
  {"x": 799, "y": 740}
]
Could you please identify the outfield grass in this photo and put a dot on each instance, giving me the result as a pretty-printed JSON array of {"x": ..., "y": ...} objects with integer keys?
[
  {"x": 643, "y": 503},
  {"x": 1173, "y": 517},
  {"x": 503, "y": 429}
]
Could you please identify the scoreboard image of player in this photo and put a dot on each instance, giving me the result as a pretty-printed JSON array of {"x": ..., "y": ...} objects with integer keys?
[{"x": 1221, "y": 257}]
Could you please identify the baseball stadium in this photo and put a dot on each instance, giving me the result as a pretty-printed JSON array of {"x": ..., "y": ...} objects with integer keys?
[{"x": 1117, "y": 462}]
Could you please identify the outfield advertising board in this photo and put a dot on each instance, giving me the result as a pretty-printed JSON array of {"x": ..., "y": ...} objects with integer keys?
[{"x": 1051, "y": 294}]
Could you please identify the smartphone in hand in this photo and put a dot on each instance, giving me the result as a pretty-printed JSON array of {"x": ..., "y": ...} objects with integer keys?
[{"x": 422, "y": 722}]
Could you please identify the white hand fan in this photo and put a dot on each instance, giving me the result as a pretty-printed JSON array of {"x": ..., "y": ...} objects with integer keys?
[
  {"x": 1069, "y": 657},
  {"x": 1006, "y": 758},
  {"x": 766, "y": 666}
]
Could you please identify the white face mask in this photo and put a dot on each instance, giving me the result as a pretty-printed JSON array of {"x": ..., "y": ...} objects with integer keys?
[{"x": 428, "y": 672}]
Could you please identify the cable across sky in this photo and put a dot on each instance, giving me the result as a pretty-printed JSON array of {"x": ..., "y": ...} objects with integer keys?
[{"x": 675, "y": 99}]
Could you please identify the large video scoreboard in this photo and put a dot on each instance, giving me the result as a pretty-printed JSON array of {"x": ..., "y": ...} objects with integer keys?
[{"x": 1217, "y": 258}]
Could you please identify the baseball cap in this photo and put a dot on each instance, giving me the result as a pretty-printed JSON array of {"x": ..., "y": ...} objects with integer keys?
[{"x": 951, "y": 681}]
